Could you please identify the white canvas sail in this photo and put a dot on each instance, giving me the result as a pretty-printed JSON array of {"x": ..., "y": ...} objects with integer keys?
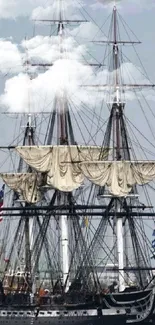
[
  {"x": 67, "y": 167},
  {"x": 119, "y": 176},
  {"x": 61, "y": 163},
  {"x": 26, "y": 185}
]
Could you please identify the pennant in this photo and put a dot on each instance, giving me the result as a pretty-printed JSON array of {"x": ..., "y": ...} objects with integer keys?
[
  {"x": 85, "y": 222},
  {"x": 2, "y": 192},
  {"x": 6, "y": 260},
  {"x": 153, "y": 243},
  {"x": 2, "y": 198}
]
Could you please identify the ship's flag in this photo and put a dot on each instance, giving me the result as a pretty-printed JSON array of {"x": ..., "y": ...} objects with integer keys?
[
  {"x": 85, "y": 222},
  {"x": 153, "y": 243},
  {"x": 2, "y": 200},
  {"x": 6, "y": 260}
]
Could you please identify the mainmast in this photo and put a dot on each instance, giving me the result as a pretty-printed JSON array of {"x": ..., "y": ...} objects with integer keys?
[
  {"x": 117, "y": 107},
  {"x": 61, "y": 101},
  {"x": 62, "y": 198},
  {"x": 60, "y": 119}
]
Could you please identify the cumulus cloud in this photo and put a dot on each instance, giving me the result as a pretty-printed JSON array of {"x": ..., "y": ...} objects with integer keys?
[
  {"x": 15, "y": 8},
  {"x": 67, "y": 79},
  {"x": 49, "y": 49},
  {"x": 41, "y": 49},
  {"x": 128, "y": 74},
  {"x": 10, "y": 57},
  {"x": 38, "y": 8},
  {"x": 44, "y": 49},
  {"x": 52, "y": 11},
  {"x": 85, "y": 31},
  {"x": 64, "y": 78},
  {"x": 67, "y": 75},
  {"x": 41, "y": 9}
]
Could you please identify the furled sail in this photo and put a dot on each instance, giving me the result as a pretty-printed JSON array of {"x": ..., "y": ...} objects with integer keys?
[
  {"x": 67, "y": 167},
  {"x": 27, "y": 185},
  {"x": 61, "y": 163},
  {"x": 119, "y": 176}
]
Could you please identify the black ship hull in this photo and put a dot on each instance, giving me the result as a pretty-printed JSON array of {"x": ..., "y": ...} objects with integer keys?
[
  {"x": 113, "y": 309},
  {"x": 119, "y": 319}
]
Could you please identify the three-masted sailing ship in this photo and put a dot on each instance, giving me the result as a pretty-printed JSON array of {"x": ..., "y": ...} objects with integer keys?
[{"x": 79, "y": 250}]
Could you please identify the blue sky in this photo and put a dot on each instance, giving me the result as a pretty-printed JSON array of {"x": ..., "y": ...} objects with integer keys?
[{"x": 139, "y": 14}]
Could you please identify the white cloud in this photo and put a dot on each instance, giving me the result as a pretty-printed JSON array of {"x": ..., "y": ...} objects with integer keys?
[
  {"x": 10, "y": 57},
  {"x": 44, "y": 49},
  {"x": 15, "y": 8},
  {"x": 52, "y": 11},
  {"x": 36, "y": 8},
  {"x": 65, "y": 77},
  {"x": 41, "y": 9},
  {"x": 38, "y": 49},
  {"x": 127, "y": 74},
  {"x": 85, "y": 31},
  {"x": 48, "y": 49}
]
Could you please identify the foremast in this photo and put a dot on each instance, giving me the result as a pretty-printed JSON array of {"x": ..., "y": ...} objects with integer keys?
[
  {"x": 19, "y": 277},
  {"x": 29, "y": 140}
]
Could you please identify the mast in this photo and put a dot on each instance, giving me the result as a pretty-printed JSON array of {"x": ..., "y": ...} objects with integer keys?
[
  {"x": 65, "y": 136},
  {"x": 61, "y": 115},
  {"x": 29, "y": 220},
  {"x": 117, "y": 156},
  {"x": 65, "y": 251},
  {"x": 61, "y": 121},
  {"x": 63, "y": 139},
  {"x": 118, "y": 133}
]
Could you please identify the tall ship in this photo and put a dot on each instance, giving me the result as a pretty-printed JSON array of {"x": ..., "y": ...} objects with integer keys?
[{"x": 76, "y": 217}]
